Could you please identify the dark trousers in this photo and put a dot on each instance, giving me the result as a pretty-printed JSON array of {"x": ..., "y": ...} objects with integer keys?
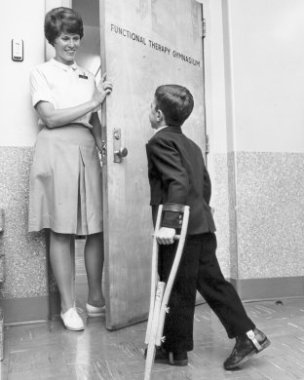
[{"x": 199, "y": 270}]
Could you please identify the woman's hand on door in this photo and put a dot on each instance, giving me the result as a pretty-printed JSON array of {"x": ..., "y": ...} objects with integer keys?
[{"x": 103, "y": 89}]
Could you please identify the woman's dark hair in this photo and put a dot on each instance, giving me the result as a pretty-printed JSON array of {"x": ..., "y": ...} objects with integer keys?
[
  {"x": 176, "y": 103},
  {"x": 62, "y": 20}
]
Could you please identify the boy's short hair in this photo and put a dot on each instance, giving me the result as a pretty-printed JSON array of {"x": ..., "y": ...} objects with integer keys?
[
  {"x": 176, "y": 103},
  {"x": 62, "y": 20}
]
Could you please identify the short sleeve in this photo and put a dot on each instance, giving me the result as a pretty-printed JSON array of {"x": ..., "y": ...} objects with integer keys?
[{"x": 40, "y": 90}]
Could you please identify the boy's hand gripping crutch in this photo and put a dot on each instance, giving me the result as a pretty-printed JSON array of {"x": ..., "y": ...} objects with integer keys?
[{"x": 160, "y": 291}]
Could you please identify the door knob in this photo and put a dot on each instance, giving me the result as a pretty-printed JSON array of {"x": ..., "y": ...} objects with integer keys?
[{"x": 120, "y": 154}]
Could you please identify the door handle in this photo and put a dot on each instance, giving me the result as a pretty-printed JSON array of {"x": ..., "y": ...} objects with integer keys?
[
  {"x": 119, "y": 151},
  {"x": 120, "y": 154}
]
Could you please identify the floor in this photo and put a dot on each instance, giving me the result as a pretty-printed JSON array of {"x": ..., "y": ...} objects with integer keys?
[{"x": 48, "y": 351}]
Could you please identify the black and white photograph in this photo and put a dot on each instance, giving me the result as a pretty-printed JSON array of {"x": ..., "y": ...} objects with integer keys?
[{"x": 151, "y": 190}]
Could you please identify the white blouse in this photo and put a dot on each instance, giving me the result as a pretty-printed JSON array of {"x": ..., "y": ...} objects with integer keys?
[{"x": 62, "y": 85}]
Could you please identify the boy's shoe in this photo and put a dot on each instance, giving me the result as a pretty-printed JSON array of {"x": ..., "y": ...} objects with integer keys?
[
  {"x": 246, "y": 345},
  {"x": 173, "y": 358},
  {"x": 94, "y": 311},
  {"x": 72, "y": 320}
]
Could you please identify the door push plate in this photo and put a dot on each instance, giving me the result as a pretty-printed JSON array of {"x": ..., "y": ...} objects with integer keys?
[{"x": 119, "y": 152}]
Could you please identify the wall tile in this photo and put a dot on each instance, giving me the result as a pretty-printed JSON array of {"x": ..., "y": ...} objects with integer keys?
[{"x": 25, "y": 253}]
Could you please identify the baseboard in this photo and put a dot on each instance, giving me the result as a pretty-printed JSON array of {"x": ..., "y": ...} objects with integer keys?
[
  {"x": 25, "y": 310},
  {"x": 38, "y": 309},
  {"x": 269, "y": 288},
  {"x": 32, "y": 309}
]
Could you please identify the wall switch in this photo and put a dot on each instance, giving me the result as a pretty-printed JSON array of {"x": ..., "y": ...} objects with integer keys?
[{"x": 17, "y": 49}]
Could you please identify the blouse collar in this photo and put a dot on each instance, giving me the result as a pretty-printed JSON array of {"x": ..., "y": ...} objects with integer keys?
[{"x": 63, "y": 66}]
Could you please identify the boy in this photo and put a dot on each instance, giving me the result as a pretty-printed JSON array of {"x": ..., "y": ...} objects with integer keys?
[{"x": 178, "y": 176}]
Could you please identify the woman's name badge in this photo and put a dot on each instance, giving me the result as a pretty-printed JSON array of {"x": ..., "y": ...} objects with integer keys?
[{"x": 83, "y": 76}]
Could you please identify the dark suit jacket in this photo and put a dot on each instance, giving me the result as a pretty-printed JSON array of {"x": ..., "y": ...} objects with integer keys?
[{"x": 178, "y": 176}]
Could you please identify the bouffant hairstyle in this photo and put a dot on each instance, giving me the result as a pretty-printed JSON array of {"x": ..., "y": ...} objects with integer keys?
[
  {"x": 176, "y": 103},
  {"x": 62, "y": 20}
]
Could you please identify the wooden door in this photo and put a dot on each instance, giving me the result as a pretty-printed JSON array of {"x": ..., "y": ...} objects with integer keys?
[{"x": 144, "y": 43}]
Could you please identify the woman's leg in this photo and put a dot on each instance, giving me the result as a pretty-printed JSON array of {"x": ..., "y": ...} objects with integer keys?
[
  {"x": 61, "y": 259},
  {"x": 94, "y": 258}
]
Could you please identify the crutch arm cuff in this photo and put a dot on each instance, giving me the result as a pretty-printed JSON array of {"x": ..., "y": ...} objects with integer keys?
[{"x": 172, "y": 215}]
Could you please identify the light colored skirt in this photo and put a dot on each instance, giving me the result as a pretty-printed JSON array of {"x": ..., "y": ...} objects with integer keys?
[{"x": 66, "y": 182}]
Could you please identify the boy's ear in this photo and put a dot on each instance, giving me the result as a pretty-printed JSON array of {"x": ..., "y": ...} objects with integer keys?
[{"x": 159, "y": 115}]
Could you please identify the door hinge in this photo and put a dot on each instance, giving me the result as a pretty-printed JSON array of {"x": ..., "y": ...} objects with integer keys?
[
  {"x": 203, "y": 27},
  {"x": 102, "y": 153},
  {"x": 207, "y": 144}
]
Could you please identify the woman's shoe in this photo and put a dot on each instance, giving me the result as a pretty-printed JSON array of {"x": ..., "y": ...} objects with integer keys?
[
  {"x": 95, "y": 311},
  {"x": 72, "y": 320}
]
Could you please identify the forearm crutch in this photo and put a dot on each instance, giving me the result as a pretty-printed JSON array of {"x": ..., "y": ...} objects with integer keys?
[{"x": 160, "y": 291}]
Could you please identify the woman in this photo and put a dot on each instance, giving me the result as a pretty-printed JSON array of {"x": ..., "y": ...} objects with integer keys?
[{"x": 65, "y": 180}]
